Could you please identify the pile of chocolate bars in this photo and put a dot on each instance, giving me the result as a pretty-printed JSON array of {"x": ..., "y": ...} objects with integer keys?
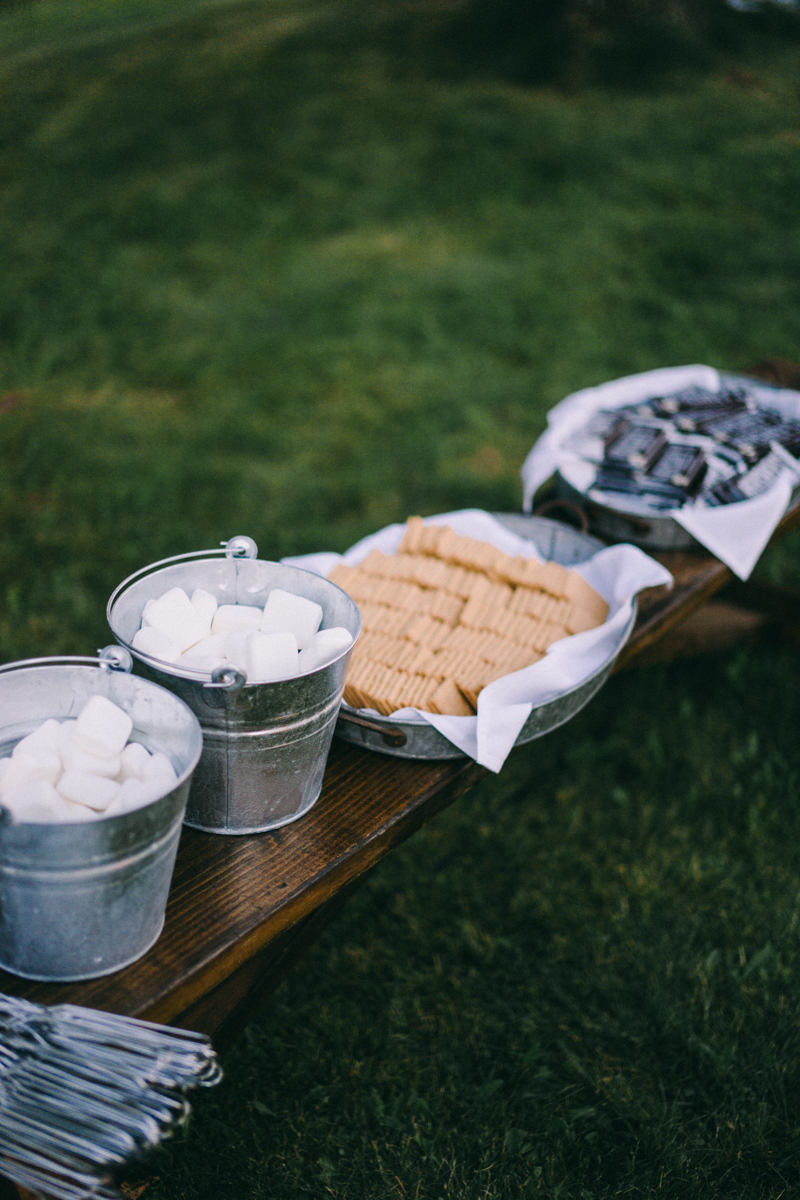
[{"x": 721, "y": 446}]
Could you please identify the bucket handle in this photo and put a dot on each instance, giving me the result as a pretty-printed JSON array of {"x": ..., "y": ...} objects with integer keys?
[
  {"x": 237, "y": 547},
  {"x": 226, "y": 678},
  {"x": 110, "y": 658}
]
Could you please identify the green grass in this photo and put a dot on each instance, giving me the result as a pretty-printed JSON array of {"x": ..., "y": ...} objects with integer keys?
[
  {"x": 581, "y": 981},
  {"x": 273, "y": 284},
  {"x": 262, "y": 276}
]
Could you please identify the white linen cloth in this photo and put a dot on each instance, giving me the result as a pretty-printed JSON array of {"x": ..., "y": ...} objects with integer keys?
[
  {"x": 736, "y": 533},
  {"x": 617, "y": 573}
]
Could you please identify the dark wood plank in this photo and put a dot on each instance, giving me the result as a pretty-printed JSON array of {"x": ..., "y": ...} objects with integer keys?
[
  {"x": 717, "y": 625},
  {"x": 233, "y": 896},
  {"x": 229, "y": 1008}
]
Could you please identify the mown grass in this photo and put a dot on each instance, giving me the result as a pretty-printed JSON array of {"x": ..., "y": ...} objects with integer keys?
[
  {"x": 275, "y": 283},
  {"x": 262, "y": 277},
  {"x": 581, "y": 981}
]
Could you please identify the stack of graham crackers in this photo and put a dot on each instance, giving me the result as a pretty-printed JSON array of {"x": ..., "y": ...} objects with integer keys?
[{"x": 446, "y": 615}]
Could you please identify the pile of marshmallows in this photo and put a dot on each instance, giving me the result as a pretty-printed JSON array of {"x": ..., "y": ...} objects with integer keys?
[
  {"x": 82, "y": 770},
  {"x": 280, "y": 641}
]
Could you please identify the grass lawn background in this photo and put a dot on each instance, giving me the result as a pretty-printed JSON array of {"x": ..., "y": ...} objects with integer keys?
[{"x": 261, "y": 275}]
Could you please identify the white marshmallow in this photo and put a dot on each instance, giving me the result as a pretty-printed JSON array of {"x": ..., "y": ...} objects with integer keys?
[
  {"x": 158, "y": 769},
  {"x": 212, "y": 646},
  {"x": 284, "y": 612},
  {"x": 75, "y": 758},
  {"x": 5, "y": 763},
  {"x": 46, "y": 737},
  {"x": 37, "y": 802},
  {"x": 132, "y": 795},
  {"x": 323, "y": 648},
  {"x": 102, "y": 728},
  {"x": 133, "y": 760},
  {"x": 157, "y": 644},
  {"x": 236, "y": 618},
  {"x": 174, "y": 615},
  {"x": 92, "y": 790},
  {"x": 207, "y": 654},
  {"x": 30, "y": 768},
  {"x": 236, "y": 649},
  {"x": 205, "y": 605},
  {"x": 76, "y": 812},
  {"x": 65, "y": 737},
  {"x": 271, "y": 656}
]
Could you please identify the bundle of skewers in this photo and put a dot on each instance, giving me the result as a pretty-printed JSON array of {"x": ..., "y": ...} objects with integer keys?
[{"x": 83, "y": 1092}]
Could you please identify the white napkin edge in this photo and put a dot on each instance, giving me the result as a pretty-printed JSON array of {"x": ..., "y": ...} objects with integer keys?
[{"x": 737, "y": 533}]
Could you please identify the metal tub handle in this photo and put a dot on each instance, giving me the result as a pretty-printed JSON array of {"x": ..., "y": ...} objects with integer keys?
[{"x": 391, "y": 737}]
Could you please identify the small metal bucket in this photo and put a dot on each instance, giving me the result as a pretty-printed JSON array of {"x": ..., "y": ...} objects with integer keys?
[
  {"x": 81, "y": 900},
  {"x": 265, "y": 745}
]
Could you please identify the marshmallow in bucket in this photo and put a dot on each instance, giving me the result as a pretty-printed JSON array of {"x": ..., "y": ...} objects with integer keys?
[
  {"x": 280, "y": 641},
  {"x": 84, "y": 769}
]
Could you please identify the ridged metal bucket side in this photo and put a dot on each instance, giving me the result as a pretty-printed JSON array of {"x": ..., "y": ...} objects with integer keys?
[
  {"x": 265, "y": 745},
  {"x": 81, "y": 900}
]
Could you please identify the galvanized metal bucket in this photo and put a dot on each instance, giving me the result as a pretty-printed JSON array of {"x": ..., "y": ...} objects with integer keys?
[
  {"x": 81, "y": 900},
  {"x": 265, "y": 745}
]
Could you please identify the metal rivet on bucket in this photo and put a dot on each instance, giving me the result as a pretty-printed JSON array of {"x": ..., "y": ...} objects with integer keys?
[
  {"x": 265, "y": 745},
  {"x": 81, "y": 900}
]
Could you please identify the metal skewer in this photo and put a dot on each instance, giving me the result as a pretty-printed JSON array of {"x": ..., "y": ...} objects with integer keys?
[{"x": 83, "y": 1091}]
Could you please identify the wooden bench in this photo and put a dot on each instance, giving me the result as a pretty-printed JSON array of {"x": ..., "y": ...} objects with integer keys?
[{"x": 242, "y": 910}]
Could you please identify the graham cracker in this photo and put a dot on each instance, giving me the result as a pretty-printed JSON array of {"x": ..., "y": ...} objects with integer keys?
[
  {"x": 461, "y": 637},
  {"x": 446, "y": 608},
  {"x": 342, "y": 575},
  {"x": 460, "y": 582},
  {"x": 548, "y": 634},
  {"x": 504, "y": 622},
  {"x": 512, "y": 570},
  {"x": 411, "y": 537},
  {"x": 580, "y": 593},
  {"x": 479, "y": 614},
  {"x": 424, "y": 662},
  {"x": 430, "y": 572},
  {"x": 523, "y": 598},
  {"x": 448, "y": 545},
  {"x": 429, "y": 539},
  {"x": 449, "y": 700},
  {"x": 429, "y": 690},
  {"x": 556, "y": 578},
  {"x": 578, "y": 620}
]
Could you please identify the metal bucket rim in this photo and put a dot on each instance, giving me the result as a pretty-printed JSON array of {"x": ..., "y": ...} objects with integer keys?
[{"x": 196, "y": 676}]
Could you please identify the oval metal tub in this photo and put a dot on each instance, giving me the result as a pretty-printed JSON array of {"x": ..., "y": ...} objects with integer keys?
[
  {"x": 418, "y": 739},
  {"x": 638, "y": 523}
]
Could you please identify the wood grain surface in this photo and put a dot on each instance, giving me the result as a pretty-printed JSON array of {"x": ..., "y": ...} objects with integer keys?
[{"x": 232, "y": 896}]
